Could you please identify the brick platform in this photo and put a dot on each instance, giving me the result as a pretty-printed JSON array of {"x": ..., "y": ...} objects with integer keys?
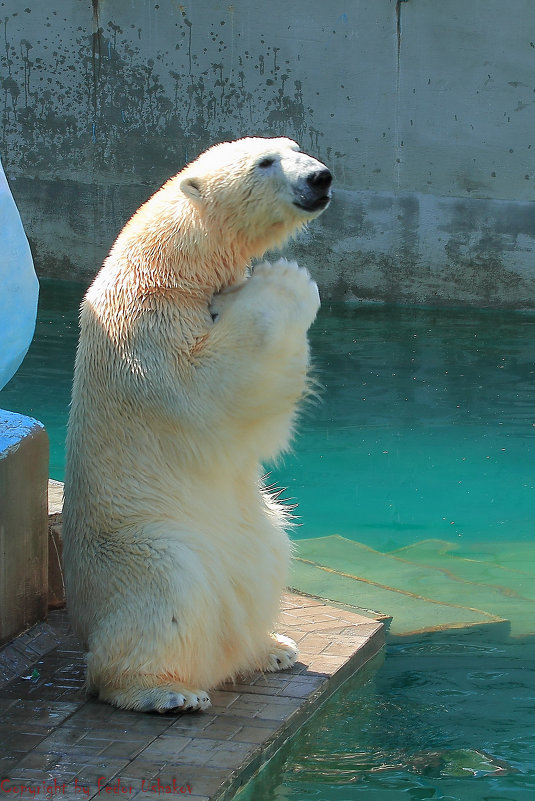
[{"x": 52, "y": 736}]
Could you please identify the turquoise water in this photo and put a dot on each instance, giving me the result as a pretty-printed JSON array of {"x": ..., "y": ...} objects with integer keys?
[
  {"x": 42, "y": 386},
  {"x": 425, "y": 429}
]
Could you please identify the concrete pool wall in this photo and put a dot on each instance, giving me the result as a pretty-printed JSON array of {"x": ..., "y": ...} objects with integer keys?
[{"x": 424, "y": 111}]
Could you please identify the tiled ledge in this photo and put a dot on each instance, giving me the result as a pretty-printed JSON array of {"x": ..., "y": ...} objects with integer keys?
[{"x": 50, "y": 731}]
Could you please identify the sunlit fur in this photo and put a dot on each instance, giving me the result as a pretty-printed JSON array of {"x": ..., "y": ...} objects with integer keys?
[{"x": 175, "y": 555}]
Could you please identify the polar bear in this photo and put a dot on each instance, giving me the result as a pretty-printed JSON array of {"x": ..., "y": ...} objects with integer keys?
[{"x": 188, "y": 375}]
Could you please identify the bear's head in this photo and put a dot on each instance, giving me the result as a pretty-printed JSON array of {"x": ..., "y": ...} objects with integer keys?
[{"x": 258, "y": 190}]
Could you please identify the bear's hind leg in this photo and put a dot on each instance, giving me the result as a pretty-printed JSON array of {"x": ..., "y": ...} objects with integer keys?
[
  {"x": 146, "y": 653},
  {"x": 140, "y": 690}
]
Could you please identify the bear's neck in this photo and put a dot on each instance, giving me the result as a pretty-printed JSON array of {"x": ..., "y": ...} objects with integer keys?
[
  {"x": 195, "y": 267},
  {"x": 197, "y": 273}
]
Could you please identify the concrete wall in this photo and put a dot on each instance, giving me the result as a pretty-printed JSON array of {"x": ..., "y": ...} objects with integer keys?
[
  {"x": 23, "y": 523},
  {"x": 424, "y": 110}
]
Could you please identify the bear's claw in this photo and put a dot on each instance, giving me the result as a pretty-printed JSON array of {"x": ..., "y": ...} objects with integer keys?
[
  {"x": 161, "y": 699},
  {"x": 283, "y": 654},
  {"x": 184, "y": 701}
]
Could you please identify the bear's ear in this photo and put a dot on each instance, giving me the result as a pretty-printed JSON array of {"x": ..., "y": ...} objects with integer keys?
[{"x": 191, "y": 187}]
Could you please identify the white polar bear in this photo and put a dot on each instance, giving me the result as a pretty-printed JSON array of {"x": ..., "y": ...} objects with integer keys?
[{"x": 188, "y": 375}]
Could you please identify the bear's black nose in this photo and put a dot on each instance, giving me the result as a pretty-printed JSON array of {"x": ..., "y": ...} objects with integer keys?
[{"x": 320, "y": 180}]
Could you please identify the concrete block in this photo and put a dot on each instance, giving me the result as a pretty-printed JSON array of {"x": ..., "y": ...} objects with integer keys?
[{"x": 23, "y": 523}]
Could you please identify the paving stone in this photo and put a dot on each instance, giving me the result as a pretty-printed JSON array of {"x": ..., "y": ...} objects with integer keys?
[
  {"x": 38, "y": 761},
  {"x": 218, "y": 754},
  {"x": 21, "y": 741},
  {"x": 7, "y": 765},
  {"x": 141, "y": 768},
  {"x": 252, "y": 688},
  {"x": 50, "y": 730},
  {"x": 223, "y": 698},
  {"x": 166, "y": 748},
  {"x": 122, "y": 748},
  {"x": 61, "y": 738},
  {"x": 272, "y": 679},
  {"x": 220, "y": 729},
  {"x": 257, "y": 732},
  {"x": 303, "y": 687},
  {"x": 279, "y": 711},
  {"x": 248, "y": 706},
  {"x": 192, "y": 724},
  {"x": 89, "y": 771},
  {"x": 48, "y": 713}
]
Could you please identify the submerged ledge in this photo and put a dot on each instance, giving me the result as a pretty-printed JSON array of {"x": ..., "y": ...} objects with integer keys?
[{"x": 56, "y": 738}]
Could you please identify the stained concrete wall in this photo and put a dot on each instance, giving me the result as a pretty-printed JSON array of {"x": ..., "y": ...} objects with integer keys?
[{"x": 424, "y": 110}]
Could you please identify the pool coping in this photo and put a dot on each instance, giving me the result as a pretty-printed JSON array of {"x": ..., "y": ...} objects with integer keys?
[{"x": 56, "y": 737}]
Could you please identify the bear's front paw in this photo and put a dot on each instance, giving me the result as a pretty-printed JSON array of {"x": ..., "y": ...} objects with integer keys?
[
  {"x": 292, "y": 286},
  {"x": 283, "y": 654}
]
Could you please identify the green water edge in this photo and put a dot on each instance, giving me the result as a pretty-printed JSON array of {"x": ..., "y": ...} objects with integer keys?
[{"x": 415, "y": 486}]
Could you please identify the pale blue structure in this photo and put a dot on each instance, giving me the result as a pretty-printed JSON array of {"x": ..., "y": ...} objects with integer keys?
[
  {"x": 14, "y": 428},
  {"x": 19, "y": 287}
]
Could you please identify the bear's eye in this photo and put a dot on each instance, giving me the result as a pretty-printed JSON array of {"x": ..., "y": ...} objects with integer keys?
[{"x": 267, "y": 162}]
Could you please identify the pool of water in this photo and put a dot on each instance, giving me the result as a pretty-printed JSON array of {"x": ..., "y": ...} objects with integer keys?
[
  {"x": 424, "y": 433},
  {"x": 426, "y": 427},
  {"x": 452, "y": 720}
]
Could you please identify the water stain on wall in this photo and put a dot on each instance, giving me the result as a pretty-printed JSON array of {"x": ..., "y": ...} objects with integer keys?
[{"x": 98, "y": 106}]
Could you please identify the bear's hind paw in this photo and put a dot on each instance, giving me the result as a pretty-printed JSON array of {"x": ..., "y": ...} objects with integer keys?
[
  {"x": 160, "y": 699},
  {"x": 283, "y": 654}
]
